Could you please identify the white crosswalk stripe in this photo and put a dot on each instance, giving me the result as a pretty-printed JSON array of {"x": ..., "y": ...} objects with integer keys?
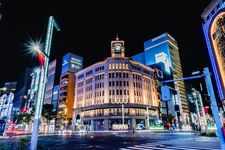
[{"x": 158, "y": 146}]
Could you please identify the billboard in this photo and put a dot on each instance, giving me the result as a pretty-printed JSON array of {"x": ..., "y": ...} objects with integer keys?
[
  {"x": 157, "y": 51},
  {"x": 214, "y": 31},
  {"x": 72, "y": 63}
]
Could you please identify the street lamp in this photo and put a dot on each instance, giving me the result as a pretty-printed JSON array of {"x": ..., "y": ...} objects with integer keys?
[{"x": 43, "y": 57}]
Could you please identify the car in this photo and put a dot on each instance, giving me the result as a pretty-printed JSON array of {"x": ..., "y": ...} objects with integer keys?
[
  {"x": 15, "y": 132},
  {"x": 140, "y": 127}
]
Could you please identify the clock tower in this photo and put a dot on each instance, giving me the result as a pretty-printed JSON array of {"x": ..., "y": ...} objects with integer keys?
[{"x": 117, "y": 48}]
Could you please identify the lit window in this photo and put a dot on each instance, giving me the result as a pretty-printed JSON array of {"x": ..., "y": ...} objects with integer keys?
[
  {"x": 120, "y": 66},
  {"x": 116, "y": 66},
  {"x": 110, "y": 67},
  {"x": 113, "y": 66},
  {"x": 123, "y": 66},
  {"x": 126, "y": 66}
]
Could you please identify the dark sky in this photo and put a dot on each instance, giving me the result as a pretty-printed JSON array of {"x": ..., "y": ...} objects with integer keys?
[{"x": 87, "y": 27}]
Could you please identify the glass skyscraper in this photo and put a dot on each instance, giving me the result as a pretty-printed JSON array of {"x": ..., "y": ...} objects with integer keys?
[
  {"x": 50, "y": 83},
  {"x": 163, "y": 51}
]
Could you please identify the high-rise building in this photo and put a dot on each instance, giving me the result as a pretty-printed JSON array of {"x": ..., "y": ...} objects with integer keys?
[
  {"x": 50, "y": 83},
  {"x": 117, "y": 93},
  {"x": 70, "y": 65},
  {"x": 33, "y": 91},
  {"x": 214, "y": 31},
  {"x": 55, "y": 96},
  {"x": 162, "y": 51},
  {"x": 22, "y": 87}
]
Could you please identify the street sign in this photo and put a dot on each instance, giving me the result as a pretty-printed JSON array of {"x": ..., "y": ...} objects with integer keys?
[{"x": 166, "y": 94}]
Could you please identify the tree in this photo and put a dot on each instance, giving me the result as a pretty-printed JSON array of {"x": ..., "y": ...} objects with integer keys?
[
  {"x": 48, "y": 113},
  {"x": 23, "y": 118}
]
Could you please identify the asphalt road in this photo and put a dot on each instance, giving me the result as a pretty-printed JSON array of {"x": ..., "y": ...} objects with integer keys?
[{"x": 129, "y": 141}]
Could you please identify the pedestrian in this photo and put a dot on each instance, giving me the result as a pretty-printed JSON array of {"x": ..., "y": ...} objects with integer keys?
[{"x": 133, "y": 129}]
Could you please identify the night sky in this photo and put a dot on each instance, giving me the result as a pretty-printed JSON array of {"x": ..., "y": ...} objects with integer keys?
[{"x": 87, "y": 28}]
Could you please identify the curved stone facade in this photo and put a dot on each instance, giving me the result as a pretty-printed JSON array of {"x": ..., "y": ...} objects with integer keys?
[{"x": 102, "y": 88}]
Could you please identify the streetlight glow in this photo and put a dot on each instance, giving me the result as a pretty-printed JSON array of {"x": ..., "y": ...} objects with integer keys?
[{"x": 34, "y": 46}]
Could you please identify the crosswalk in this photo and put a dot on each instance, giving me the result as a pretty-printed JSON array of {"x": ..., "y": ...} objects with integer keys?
[{"x": 158, "y": 146}]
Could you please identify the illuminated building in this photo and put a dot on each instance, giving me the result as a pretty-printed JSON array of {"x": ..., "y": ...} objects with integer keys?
[
  {"x": 22, "y": 87},
  {"x": 50, "y": 83},
  {"x": 55, "y": 96},
  {"x": 214, "y": 31},
  {"x": 108, "y": 89},
  {"x": 70, "y": 65},
  {"x": 162, "y": 51},
  {"x": 162, "y": 57},
  {"x": 35, "y": 80}
]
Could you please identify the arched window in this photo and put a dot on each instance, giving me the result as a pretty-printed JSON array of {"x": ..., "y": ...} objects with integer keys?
[
  {"x": 120, "y": 66},
  {"x": 123, "y": 66},
  {"x": 126, "y": 66},
  {"x": 116, "y": 66}
]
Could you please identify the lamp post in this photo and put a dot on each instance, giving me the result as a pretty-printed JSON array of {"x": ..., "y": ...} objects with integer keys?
[
  {"x": 44, "y": 59},
  {"x": 123, "y": 115}
]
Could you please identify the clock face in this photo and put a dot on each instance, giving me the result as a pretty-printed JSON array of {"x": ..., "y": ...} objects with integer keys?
[{"x": 117, "y": 47}]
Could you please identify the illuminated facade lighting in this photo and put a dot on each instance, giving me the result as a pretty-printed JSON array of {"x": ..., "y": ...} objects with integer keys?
[
  {"x": 108, "y": 89},
  {"x": 71, "y": 64},
  {"x": 214, "y": 32},
  {"x": 162, "y": 52}
]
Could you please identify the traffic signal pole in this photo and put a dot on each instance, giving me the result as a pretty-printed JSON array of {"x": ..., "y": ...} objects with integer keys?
[
  {"x": 214, "y": 106},
  {"x": 215, "y": 111}
]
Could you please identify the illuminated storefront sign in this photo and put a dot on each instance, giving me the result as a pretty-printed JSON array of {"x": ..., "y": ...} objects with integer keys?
[
  {"x": 71, "y": 63},
  {"x": 215, "y": 39},
  {"x": 120, "y": 127}
]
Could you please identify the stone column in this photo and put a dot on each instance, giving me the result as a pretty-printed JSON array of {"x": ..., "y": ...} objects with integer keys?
[
  {"x": 133, "y": 123},
  {"x": 106, "y": 124},
  {"x": 92, "y": 127}
]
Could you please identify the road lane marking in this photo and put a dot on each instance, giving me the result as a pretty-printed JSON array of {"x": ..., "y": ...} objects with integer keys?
[
  {"x": 182, "y": 146},
  {"x": 155, "y": 146}
]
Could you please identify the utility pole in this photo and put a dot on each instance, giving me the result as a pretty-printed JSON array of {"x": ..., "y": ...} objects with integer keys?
[{"x": 41, "y": 90}]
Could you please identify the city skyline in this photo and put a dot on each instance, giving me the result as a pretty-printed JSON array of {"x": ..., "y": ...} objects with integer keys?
[
  {"x": 88, "y": 27},
  {"x": 84, "y": 74}
]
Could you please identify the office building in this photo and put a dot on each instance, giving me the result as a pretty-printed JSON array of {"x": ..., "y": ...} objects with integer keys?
[
  {"x": 162, "y": 52},
  {"x": 22, "y": 87},
  {"x": 33, "y": 91},
  {"x": 50, "y": 83},
  {"x": 70, "y": 65}
]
